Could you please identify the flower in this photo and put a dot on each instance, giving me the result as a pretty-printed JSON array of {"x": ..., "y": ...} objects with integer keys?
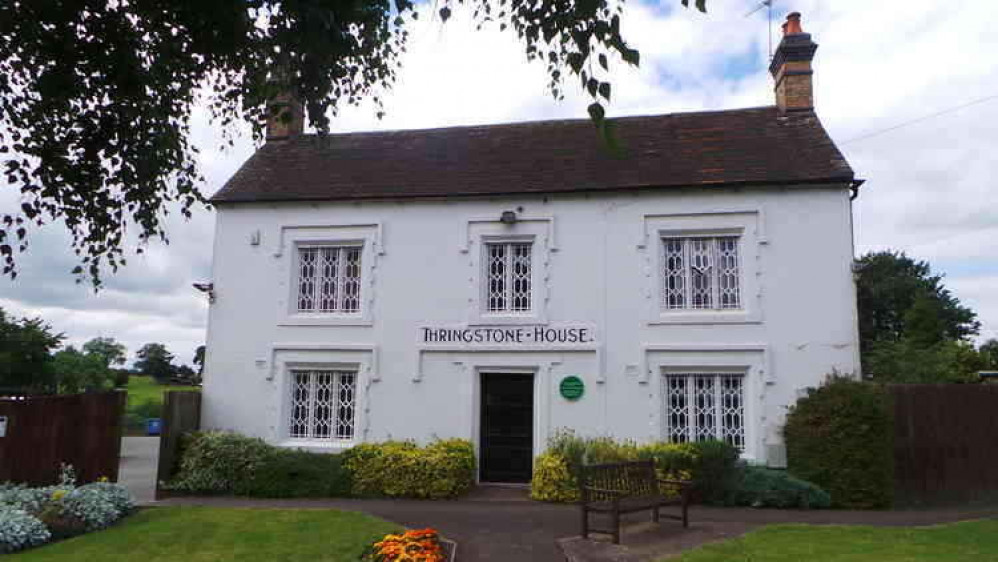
[{"x": 414, "y": 545}]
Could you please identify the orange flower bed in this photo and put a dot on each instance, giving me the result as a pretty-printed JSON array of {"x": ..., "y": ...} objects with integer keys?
[{"x": 419, "y": 545}]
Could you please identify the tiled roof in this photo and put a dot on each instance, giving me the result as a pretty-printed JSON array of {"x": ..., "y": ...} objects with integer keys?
[{"x": 753, "y": 146}]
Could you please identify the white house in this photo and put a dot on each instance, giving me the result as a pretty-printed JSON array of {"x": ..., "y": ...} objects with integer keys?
[{"x": 497, "y": 283}]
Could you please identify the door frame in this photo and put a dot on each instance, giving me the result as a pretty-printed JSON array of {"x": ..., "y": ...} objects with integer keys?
[{"x": 481, "y": 372}]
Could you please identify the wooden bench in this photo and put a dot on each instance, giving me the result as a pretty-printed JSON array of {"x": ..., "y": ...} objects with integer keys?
[{"x": 628, "y": 487}]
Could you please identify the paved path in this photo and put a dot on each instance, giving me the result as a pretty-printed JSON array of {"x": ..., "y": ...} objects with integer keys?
[
  {"x": 490, "y": 529},
  {"x": 137, "y": 469}
]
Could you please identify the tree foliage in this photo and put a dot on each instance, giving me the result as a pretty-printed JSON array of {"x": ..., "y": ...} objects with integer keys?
[
  {"x": 989, "y": 350},
  {"x": 78, "y": 371},
  {"x": 901, "y": 300},
  {"x": 199, "y": 359},
  {"x": 26, "y": 346},
  {"x": 155, "y": 361},
  {"x": 890, "y": 284},
  {"x": 96, "y": 96},
  {"x": 108, "y": 349}
]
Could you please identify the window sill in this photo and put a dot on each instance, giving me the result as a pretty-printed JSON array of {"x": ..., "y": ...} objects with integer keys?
[
  {"x": 507, "y": 320},
  {"x": 325, "y": 320},
  {"x": 316, "y": 444},
  {"x": 707, "y": 317}
]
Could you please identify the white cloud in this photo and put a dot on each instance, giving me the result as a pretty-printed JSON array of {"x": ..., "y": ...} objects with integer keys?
[{"x": 930, "y": 192}]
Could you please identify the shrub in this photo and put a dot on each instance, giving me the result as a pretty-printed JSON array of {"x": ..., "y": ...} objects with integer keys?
[
  {"x": 442, "y": 469},
  {"x": 763, "y": 487},
  {"x": 552, "y": 481},
  {"x": 214, "y": 462},
  {"x": 285, "y": 473},
  {"x": 711, "y": 465},
  {"x": 19, "y": 530},
  {"x": 92, "y": 506},
  {"x": 716, "y": 470},
  {"x": 117, "y": 494},
  {"x": 840, "y": 436},
  {"x": 19, "y": 496}
]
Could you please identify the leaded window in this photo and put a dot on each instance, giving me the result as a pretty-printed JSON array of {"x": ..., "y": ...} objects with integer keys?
[
  {"x": 701, "y": 273},
  {"x": 323, "y": 405},
  {"x": 329, "y": 279},
  {"x": 703, "y": 406},
  {"x": 508, "y": 280}
]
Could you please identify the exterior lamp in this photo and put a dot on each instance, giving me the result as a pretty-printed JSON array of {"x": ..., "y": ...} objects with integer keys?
[{"x": 508, "y": 217}]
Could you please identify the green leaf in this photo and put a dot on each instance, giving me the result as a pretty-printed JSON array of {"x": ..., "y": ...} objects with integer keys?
[
  {"x": 631, "y": 56},
  {"x": 604, "y": 90},
  {"x": 597, "y": 114},
  {"x": 444, "y": 13},
  {"x": 603, "y": 62},
  {"x": 591, "y": 85}
]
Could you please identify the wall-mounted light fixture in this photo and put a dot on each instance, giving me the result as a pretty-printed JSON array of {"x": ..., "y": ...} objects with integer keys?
[
  {"x": 508, "y": 217},
  {"x": 208, "y": 289}
]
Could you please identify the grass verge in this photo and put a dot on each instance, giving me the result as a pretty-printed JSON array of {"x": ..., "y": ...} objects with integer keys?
[
  {"x": 206, "y": 534},
  {"x": 957, "y": 542}
]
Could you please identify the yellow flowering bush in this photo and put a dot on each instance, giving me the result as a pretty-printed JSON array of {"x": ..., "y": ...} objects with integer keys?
[
  {"x": 420, "y": 545},
  {"x": 556, "y": 472},
  {"x": 552, "y": 482},
  {"x": 403, "y": 469}
]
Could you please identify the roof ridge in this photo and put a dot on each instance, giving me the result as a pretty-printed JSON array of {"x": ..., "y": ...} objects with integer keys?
[{"x": 534, "y": 122}]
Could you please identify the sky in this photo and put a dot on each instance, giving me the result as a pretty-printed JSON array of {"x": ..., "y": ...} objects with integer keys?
[{"x": 931, "y": 185}]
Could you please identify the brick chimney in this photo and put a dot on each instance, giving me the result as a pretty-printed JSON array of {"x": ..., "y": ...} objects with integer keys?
[
  {"x": 285, "y": 117},
  {"x": 791, "y": 67}
]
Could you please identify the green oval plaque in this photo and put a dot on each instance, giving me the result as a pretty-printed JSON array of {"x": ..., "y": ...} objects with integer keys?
[{"x": 571, "y": 387}]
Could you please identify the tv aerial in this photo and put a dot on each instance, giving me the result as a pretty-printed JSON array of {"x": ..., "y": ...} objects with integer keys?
[{"x": 768, "y": 4}]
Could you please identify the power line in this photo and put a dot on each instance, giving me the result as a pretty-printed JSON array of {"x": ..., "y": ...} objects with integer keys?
[{"x": 920, "y": 119}]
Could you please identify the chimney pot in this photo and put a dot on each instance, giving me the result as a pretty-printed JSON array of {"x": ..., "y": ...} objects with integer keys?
[{"x": 792, "y": 25}]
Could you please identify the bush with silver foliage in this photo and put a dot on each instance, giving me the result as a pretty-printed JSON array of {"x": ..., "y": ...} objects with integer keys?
[{"x": 19, "y": 530}]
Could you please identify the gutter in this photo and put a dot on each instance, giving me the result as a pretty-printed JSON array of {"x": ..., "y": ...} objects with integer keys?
[{"x": 854, "y": 188}]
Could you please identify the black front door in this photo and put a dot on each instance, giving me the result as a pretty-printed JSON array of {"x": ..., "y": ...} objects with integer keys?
[{"x": 507, "y": 440}]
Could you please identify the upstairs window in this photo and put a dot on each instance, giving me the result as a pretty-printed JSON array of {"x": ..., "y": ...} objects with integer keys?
[
  {"x": 329, "y": 279},
  {"x": 701, "y": 273},
  {"x": 508, "y": 270}
]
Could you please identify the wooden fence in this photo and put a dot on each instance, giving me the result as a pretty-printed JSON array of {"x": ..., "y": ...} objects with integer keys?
[
  {"x": 181, "y": 414},
  {"x": 41, "y": 432},
  {"x": 945, "y": 443}
]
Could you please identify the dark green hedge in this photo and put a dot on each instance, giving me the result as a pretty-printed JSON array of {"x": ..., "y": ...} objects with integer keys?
[
  {"x": 287, "y": 473},
  {"x": 840, "y": 437}
]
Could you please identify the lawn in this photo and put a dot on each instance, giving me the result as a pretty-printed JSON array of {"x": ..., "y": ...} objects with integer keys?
[
  {"x": 204, "y": 534},
  {"x": 958, "y": 542},
  {"x": 145, "y": 389}
]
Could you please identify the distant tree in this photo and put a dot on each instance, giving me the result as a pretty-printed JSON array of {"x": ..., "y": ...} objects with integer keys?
[
  {"x": 76, "y": 371},
  {"x": 989, "y": 350},
  {"x": 155, "y": 361},
  {"x": 186, "y": 375},
  {"x": 199, "y": 359},
  {"x": 109, "y": 349},
  {"x": 26, "y": 346},
  {"x": 900, "y": 299}
]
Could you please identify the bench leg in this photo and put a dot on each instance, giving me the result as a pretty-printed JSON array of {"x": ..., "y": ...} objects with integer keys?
[
  {"x": 686, "y": 519},
  {"x": 654, "y": 514},
  {"x": 616, "y": 527},
  {"x": 585, "y": 521}
]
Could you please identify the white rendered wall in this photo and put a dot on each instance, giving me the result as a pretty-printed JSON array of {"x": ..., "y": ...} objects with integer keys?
[{"x": 596, "y": 264}]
